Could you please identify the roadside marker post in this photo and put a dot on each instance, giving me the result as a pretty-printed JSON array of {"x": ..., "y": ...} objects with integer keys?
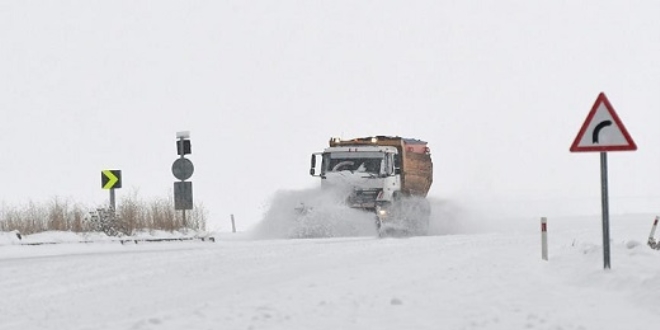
[
  {"x": 603, "y": 132},
  {"x": 651, "y": 242},
  {"x": 544, "y": 238}
]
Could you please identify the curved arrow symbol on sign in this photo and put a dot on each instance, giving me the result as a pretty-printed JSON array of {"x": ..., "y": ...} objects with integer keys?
[{"x": 598, "y": 128}]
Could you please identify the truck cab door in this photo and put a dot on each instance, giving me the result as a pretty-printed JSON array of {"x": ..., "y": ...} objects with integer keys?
[
  {"x": 396, "y": 159},
  {"x": 390, "y": 164}
]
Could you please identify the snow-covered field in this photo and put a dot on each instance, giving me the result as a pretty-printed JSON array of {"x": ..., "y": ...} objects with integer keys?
[{"x": 459, "y": 278}]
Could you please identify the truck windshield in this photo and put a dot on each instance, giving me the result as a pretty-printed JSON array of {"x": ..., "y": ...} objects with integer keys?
[{"x": 369, "y": 162}]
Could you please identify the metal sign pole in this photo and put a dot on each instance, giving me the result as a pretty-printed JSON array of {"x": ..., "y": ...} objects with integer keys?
[
  {"x": 112, "y": 207},
  {"x": 183, "y": 212},
  {"x": 183, "y": 169},
  {"x": 112, "y": 199},
  {"x": 606, "y": 209}
]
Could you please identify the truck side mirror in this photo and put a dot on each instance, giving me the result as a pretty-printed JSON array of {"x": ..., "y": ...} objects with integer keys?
[
  {"x": 397, "y": 170},
  {"x": 312, "y": 169}
]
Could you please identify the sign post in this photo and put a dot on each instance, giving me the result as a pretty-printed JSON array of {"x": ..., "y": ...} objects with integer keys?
[
  {"x": 605, "y": 209},
  {"x": 183, "y": 169},
  {"x": 602, "y": 132},
  {"x": 111, "y": 180}
]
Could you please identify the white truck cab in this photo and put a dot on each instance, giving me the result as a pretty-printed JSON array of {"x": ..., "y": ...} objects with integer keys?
[{"x": 369, "y": 174}]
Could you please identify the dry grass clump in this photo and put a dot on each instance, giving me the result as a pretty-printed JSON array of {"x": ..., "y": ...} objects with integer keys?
[
  {"x": 132, "y": 214},
  {"x": 158, "y": 214},
  {"x": 31, "y": 218}
]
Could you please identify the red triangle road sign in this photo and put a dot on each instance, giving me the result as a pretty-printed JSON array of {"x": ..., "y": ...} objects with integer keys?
[{"x": 603, "y": 131}]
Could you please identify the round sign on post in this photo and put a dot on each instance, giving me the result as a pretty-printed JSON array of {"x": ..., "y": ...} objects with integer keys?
[{"x": 183, "y": 169}]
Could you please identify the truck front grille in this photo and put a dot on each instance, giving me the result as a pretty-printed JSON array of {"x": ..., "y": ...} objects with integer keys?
[{"x": 363, "y": 198}]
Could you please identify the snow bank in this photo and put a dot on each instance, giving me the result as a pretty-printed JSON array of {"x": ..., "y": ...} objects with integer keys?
[
  {"x": 57, "y": 237},
  {"x": 11, "y": 237}
]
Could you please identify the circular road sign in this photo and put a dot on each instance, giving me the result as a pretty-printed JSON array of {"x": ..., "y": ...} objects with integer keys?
[{"x": 183, "y": 168}]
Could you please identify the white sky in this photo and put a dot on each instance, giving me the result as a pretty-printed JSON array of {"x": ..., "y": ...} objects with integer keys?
[{"x": 499, "y": 89}]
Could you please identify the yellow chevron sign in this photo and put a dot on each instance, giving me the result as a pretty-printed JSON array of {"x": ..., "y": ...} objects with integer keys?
[{"x": 110, "y": 179}]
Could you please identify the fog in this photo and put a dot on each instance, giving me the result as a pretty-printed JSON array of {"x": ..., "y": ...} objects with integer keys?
[{"x": 499, "y": 91}]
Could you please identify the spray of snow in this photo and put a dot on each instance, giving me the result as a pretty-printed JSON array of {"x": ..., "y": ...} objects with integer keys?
[
  {"x": 450, "y": 217},
  {"x": 313, "y": 213},
  {"x": 469, "y": 215}
]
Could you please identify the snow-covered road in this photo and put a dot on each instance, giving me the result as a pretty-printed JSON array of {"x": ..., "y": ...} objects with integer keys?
[{"x": 491, "y": 280}]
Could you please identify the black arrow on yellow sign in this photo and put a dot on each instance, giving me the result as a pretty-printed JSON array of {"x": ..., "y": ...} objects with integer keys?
[{"x": 111, "y": 179}]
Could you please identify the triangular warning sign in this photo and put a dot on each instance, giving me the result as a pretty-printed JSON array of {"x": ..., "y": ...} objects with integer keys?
[{"x": 603, "y": 130}]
